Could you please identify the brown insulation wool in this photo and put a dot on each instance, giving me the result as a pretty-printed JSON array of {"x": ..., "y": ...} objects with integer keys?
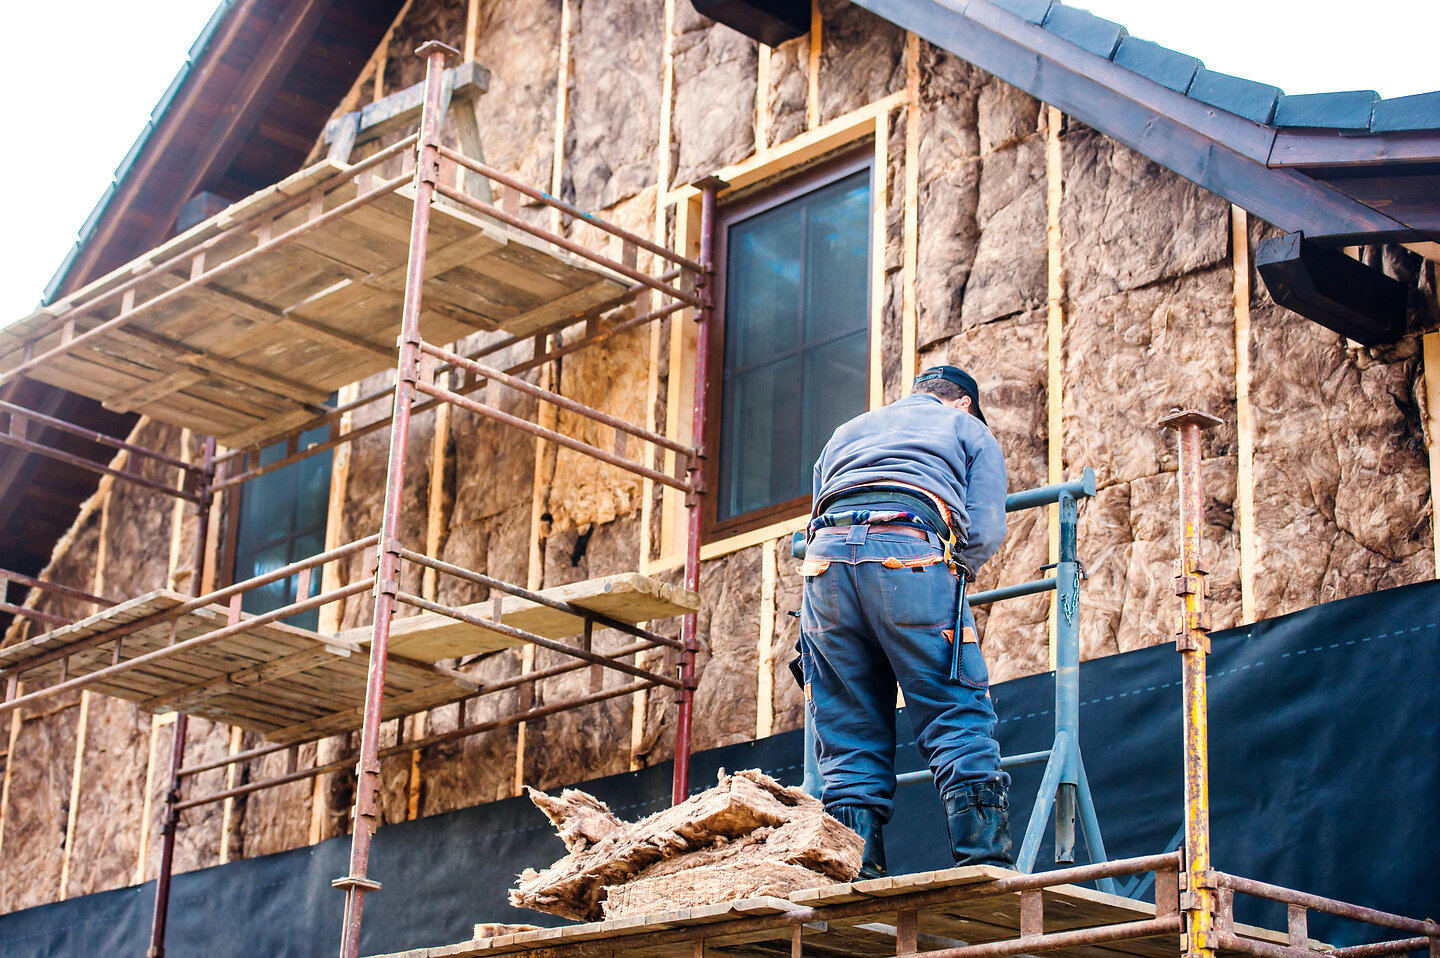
[
  {"x": 747, "y": 835},
  {"x": 714, "y": 115}
]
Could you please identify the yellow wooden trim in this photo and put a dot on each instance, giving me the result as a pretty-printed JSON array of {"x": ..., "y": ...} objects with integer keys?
[
  {"x": 782, "y": 157},
  {"x": 812, "y": 87},
  {"x": 1244, "y": 426},
  {"x": 1054, "y": 331},
  {"x": 776, "y": 530},
  {"x": 765, "y": 653},
  {"x": 435, "y": 518},
  {"x": 16, "y": 721},
  {"x": 147, "y": 806},
  {"x": 418, "y": 723},
  {"x": 1432, "y": 411},
  {"x": 177, "y": 522},
  {"x": 472, "y": 29},
  {"x": 762, "y": 97},
  {"x": 330, "y": 573},
  {"x": 878, "y": 242},
  {"x": 72, "y": 818},
  {"x": 227, "y": 813},
  {"x": 562, "y": 84},
  {"x": 910, "y": 221}
]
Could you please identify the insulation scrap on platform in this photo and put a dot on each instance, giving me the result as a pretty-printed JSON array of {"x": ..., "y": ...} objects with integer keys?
[{"x": 746, "y": 836}]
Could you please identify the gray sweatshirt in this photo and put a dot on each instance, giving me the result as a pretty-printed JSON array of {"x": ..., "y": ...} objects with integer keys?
[{"x": 921, "y": 441}]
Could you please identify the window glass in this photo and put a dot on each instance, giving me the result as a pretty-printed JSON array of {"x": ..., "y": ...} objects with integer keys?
[
  {"x": 796, "y": 322},
  {"x": 282, "y": 520}
]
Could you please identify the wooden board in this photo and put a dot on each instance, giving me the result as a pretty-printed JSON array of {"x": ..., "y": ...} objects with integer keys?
[
  {"x": 290, "y": 684},
  {"x": 974, "y": 917},
  {"x": 629, "y": 597},
  {"x": 255, "y": 351}
]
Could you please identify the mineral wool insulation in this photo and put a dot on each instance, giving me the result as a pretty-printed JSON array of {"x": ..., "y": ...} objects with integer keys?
[{"x": 746, "y": 836}]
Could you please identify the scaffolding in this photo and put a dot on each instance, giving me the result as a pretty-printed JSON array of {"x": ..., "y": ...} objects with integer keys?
[
  {"x": 239, "y": 329},
  {"x": 314, "y": 270}
]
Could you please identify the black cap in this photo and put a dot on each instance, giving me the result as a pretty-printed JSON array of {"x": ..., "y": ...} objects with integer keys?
[{"x": 958, "y": 376}]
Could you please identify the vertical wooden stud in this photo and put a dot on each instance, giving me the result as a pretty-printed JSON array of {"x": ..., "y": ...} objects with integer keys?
[
  {"x": 17, "y": 718},
  {"x": 1244, "y": 426},
  {"x": 878, "y": 200},
  {"x": 472, "y": 29},
  {"x": 765, "y": 653},
  {"x": 147, "y": 806},
  {"x": 72, "y": 818},
  {"x": 762, "y": 99},
  {"x": 1432, "y": 413},
  {"x": 227, "y": 811},
  {"x": 812, "y": 97},
  {"x": 562, "y": 107},
  {"x": 1054, "y": 330},
  {"x": 910, "y": 222}
]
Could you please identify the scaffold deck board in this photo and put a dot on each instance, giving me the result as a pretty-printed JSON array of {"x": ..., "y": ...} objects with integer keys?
[
  {"x": 975, "y": 915},
  {"x": 629, "y": 597},
  {"x": 257, "y": 351},
  {"x": 287, "y": 683}
]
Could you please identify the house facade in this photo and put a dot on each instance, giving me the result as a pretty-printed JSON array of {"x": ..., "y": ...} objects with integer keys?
[{"x": 887, "y": 204}]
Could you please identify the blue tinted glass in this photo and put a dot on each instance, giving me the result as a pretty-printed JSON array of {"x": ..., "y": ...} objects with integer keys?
[
  {"x": 760, "y": 446},
  {"x": 282, "y": 520},
  {"x": 796, "y": 326}
]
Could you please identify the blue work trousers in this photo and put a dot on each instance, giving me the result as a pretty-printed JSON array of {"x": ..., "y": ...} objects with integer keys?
[{"x": 865, "y": 628}]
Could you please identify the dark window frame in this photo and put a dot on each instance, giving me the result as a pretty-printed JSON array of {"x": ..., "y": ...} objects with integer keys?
[{"x": 818, "y": 176}]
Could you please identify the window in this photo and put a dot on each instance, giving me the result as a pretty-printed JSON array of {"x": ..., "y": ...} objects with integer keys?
[
  {"x": 792, "y": 333},
  {"x": 282, "y": 520}
]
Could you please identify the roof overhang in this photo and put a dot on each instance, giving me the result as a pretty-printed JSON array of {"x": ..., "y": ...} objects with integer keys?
[{"x": 1337, "y": 187}]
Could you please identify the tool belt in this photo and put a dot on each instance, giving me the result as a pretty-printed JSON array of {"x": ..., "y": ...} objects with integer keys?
[{"x": 929, "y": 507}]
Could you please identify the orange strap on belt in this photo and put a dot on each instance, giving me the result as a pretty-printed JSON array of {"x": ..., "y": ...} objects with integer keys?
[{"x": 920, "y": 563}]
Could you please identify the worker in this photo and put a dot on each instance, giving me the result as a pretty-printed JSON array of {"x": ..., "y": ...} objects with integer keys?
[{"x": 909, "y": 498}]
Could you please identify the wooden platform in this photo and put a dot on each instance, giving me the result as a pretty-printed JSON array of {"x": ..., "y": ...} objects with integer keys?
[
  {"x": 257, "y": 351},
  {"x": 629, "y": 597},
  {"x": 289, "y": 684},
  {"x": 972, "y": 916}
]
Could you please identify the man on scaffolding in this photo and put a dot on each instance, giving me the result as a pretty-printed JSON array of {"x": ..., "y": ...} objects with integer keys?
[{"x": 909, "y": 501}]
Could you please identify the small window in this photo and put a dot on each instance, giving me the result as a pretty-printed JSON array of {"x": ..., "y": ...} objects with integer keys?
[
  {"x": 793, "y": 337},
  {"x": 282, "y": 520}
]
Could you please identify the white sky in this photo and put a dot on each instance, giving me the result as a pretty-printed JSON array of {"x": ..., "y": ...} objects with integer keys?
[{"x": 77, "y": 106}]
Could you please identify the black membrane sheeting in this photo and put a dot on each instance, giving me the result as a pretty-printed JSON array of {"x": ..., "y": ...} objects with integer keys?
[{"x": 1325, "y": 776}]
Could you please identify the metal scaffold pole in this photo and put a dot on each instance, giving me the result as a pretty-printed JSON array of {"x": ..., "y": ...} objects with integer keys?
[
  {"x": 367, "y": 785},
  {"x": 709, "y": 188},
  {"x": 1198, "y": 898},
  {"x": 170, "y": 817}
]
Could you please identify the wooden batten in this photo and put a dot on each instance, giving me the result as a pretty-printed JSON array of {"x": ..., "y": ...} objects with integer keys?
[
  {"x": 227, "y": 811},
  {"x": 765, "y": 652},
  {"x": 812, "y": 97},
  {"x": 1432, "y": 414},
  {"x": 910, "y": 217},
  {"x": 472, "y": 29},
  {"x": 1054, "y": 333},
  {"x": 17, "y": 719},
  {"x": 878, "y": 199},
  {"x": 1244, "y": 424}
]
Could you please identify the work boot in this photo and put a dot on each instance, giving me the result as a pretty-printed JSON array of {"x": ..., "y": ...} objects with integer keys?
[
  {"x": 865, "y": 823},
  {"x": 978, "y": 818}
]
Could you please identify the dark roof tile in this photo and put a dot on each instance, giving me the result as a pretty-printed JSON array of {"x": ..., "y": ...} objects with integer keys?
[
  {"x": 1087, "y": 31},
  {"x": 1032, "y": 10},
  {"x": 1253, "y": 101},
  {"x": 1161, "y": 64},
  {"x": 1418, "y": 112},
  {"x": 1331, "y": 111}
]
